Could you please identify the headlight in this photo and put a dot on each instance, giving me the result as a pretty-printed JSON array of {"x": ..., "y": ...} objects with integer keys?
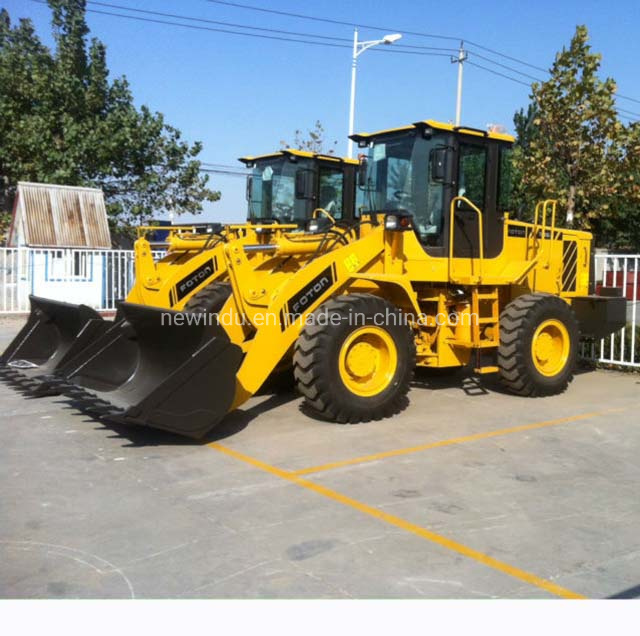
[
  {"x": 397, "y": 222},
  {"x": 313, "y": 225}
]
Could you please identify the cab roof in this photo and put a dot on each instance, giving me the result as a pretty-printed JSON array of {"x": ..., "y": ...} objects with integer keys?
[
  {"x": 430, "y": 123},
  {"x": 292, "y": 153}
]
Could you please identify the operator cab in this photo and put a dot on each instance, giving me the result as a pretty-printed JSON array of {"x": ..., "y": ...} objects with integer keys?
[
  {"x": 420, "y": 168},
  {"x": 287, "y": 186}
]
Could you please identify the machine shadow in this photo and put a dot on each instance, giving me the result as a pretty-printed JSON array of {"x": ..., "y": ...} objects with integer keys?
[
  {"x": 139, "y": 436},
  {"x": 461, "y": 378},
  {"x": 469, "y": 382},
  {"x": 632, "y": 592},
  {"x": 311, "y": 414},
  {"x": 431, "y": 379}
]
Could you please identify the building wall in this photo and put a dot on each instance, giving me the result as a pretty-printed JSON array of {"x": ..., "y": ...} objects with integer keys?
[{"x": 72, "y": 276}]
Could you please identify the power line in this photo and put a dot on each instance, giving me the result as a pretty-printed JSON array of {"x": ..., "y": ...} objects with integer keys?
[
  {"x": 207, "y": 21},
  {"x": 417, "y": 33},
  {"x": 628, "y": 112},
  {"x": 253, "y": 35},
  {"x": 507, "y": 57},
  {"x": 618, "y": 95},
  {"x": 330, "y": 20},
  {"x": 416, "y": 50},
  {"x": 252, "y": 28},
  {"x": 537, "y": 79},
  {"x": 508, "y": 68},
  {"x": 204, "y": 28},
  {"x": 369, "y": 26},
  {"x": 631, "y": 99},
  {"x": 490, "y": 70},
  {"x": 513, "y": 79}
]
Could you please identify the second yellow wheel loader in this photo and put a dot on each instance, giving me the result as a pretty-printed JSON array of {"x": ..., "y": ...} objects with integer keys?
[
  {"x": 439, "y": 275},
  {"x": 288, "y": 192}
]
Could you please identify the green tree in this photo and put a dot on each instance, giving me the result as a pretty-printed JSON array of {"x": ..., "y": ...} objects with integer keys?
[
  {"x": 522, "y": 199},
  {"x": 62, "y": 120},
  {"x": 573, "y": 147},
  {"x": 314, "y": 140}
]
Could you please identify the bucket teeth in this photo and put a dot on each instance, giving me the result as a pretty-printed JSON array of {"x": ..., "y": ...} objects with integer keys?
[
  {"x": 24, "y": 382},
  {"x": 32, "y": 385},
  {"x": 104, "y": 411},
  {"x": 89, "y": 403},
  {"x": 45, "y": 385},
  {"x": 28, "y": 385},
  {"x": 76, "y": 392},
  {"x": 10, "y": 374}
]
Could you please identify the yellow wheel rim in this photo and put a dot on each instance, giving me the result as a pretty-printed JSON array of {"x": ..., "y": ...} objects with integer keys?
[
  {"x": 368, "y": 360},
  {"x": 550, "y": 347}
]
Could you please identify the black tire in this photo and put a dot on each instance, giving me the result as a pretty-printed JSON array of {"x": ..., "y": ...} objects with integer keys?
[
  {"x": 210, "y": 299},
  {"x": 316, "y": 363},
  {"x": 518, "y": 324}
]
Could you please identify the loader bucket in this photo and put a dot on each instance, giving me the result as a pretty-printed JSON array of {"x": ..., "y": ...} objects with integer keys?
[
  {"x": 54, "y": 332},
  {"x": 151, "y": 370}
]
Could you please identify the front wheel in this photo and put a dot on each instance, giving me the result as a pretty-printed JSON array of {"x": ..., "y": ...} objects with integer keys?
[
  {"x": 538, "y": 348},
  {"x": 355, "y": 361},
  {"x": 210, "y": 299}
]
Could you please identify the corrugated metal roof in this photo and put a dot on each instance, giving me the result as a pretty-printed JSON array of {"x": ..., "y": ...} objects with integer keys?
[{"x": 59, "y": 216}]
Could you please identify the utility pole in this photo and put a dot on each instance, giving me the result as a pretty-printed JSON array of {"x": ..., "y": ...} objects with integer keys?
[
  {"x": 352, "y": 100},
  {"x": 460, "y": 60}
]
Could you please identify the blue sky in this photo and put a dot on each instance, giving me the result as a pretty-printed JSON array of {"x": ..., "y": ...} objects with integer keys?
[{"x": 242, "y": 95}]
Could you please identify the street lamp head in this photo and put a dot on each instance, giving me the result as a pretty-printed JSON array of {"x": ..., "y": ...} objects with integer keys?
[{"x": 391, "y": 38}]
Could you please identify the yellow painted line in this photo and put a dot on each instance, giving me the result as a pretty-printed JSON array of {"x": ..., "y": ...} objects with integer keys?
[
  {"x": 450, "y": 442},
  {"x": 403, "y": 524}
]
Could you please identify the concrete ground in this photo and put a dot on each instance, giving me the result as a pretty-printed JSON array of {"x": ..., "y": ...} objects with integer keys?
[{"x": 469, "y": 493}]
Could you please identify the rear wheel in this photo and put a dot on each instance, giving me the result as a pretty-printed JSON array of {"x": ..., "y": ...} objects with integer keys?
[
  {"x": 210, "y": 299},
  {"x": 538, "y": 345},
  {"x": 357, "y": 363}
]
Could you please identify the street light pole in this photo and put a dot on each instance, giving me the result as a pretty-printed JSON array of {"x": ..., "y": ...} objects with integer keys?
[{"x": 358, "y": 49}]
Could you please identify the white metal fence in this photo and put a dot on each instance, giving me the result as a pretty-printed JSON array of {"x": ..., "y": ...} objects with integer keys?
[
  {"x": 622, "y": 348},
  {"x": 99, "y": 278}
]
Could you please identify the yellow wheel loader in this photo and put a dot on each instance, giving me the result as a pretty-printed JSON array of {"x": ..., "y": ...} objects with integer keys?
[
  {"x": 288, "y": 192},
  {"x": 438, "y": 275}
]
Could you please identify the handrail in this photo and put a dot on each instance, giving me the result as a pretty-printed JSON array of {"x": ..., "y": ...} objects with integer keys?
[
  {"x": 452, "y": 214},
  {"x": 542, "y": 228},
  {"x": 143, "y": 229},
  {"x": 552, "y": 229},
  {"x": 324, "y": 213}
]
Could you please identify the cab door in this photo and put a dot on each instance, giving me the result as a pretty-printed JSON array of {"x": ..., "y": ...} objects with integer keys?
[
  {"x": 477, "y": 181},
  {"x": 471, "y": 183}
]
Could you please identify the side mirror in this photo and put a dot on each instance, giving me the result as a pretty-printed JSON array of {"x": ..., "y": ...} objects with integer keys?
[
  {"x": 249, "y": 187},
  {"x": 305, "y": 186},
  {"x": 362, "y": 172},
  {"x": 438, "y": 161}
]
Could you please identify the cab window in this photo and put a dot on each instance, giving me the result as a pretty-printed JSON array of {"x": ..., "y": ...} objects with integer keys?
[
  {"x": 331, "y": 191},
  {"x": 472, "y": 171}
]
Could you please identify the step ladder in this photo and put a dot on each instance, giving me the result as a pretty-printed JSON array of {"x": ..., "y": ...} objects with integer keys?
[{"x": 485, "y": 330}]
